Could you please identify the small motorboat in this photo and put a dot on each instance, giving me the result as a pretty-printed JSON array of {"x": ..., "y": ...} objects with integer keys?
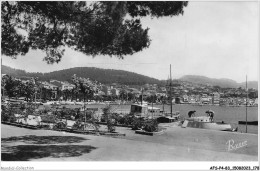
[{"x": 205, "y": 122}]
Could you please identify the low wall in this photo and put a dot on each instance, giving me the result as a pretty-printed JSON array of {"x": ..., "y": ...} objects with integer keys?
[{"x": 149, "y": 133}]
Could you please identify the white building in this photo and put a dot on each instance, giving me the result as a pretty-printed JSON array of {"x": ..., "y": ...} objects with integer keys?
[
  {"x": 205, "y": 99},
  {"x": 67, "y": 86}
]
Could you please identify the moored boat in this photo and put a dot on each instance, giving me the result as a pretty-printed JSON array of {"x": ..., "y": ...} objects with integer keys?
[
  {"x": 248, "y": 122},
  {"x": 205, "y": 122},
  {"x": 151, "y": 112}
]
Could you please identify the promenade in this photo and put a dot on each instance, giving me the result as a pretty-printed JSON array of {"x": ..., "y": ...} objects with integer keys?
[{"x": 176, "y": 144}]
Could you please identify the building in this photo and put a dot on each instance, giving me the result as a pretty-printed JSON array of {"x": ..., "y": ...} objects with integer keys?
[
  {"x": 51, "y": 87},
  {"x": 256, "y": 101},
  {"x": 215, "y": 98},
  {"x": 115, "y": 92},
  {"x": 185, "y": 98},
  {"x": 205, "y": 99},
  {"x": 47, "y": 85},
  {"x": 192, "y": 99},
  {"x": 106, "y": 90},
  {"x": 63, "y": 85},
  {"x": 67, "y": 86}
]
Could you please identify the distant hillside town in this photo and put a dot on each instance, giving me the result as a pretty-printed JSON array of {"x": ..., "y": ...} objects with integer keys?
[{"x": 182, "y": 92}]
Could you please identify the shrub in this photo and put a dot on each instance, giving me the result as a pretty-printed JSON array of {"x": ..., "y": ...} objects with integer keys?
[
  {"x": 116, "y": 117},
  {"x": 29, "y": 111},
  {"x": 151, "y": 125},
  {"x": 22, "y": 106},
  {"x": 137, "y": 123},
  {"x": 57, "y": 114},
  {"x": 7, "y": 114},
  {"x": 60, "y": 125},
  {"x": 45, "y": 111},
  {"x": 49, "y": 118},
  {"x": 122, "y": 121},
  {"x": 127, "y": 120},
  {"x": 91, "y": 120},
  {"x": 78, "y": 125}
]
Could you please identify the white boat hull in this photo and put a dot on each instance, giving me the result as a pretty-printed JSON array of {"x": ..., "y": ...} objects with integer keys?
[{"x": 207, "y": 125}]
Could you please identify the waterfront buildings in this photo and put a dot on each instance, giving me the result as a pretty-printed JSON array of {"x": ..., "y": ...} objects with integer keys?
[{"x": 215, "y": 98}]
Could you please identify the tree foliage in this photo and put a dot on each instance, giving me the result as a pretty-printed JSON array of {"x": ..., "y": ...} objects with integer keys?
[
  {"x": 86, "y": 86},
  {"x": 28, "y": 89},
  {"x": 7, "y": 114},
  {"x": 16, "y": 88},
  {"x": 11, "y": 85},
  {"x": 93, "y": 28}
]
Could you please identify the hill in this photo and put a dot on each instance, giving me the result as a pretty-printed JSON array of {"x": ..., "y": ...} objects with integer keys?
[
  {"x": 105, "y": 76},
  {"x": 223, "y": 82},
  {"x": 109, "y": 76},
  {"x": 250, "y": 84},
  {"x": 12, "y": 71}
]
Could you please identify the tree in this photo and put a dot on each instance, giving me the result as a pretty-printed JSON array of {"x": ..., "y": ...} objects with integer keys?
[
  {"x": 87, "y": 87},
  {"x": 123, "y": 94},
  {"x": 7, "y": 114},
  {"x": 152, "y": 98},
  {"x": 130, "y": 96},
  {"x": 109, "y": 119},
  {"x": 253, "y": 94},
  {"x": 67, "y": 94},
  {"x": 11, "y": 85},
  {"x": 46, "y": 94},
  {"x": 93, "y": 28},
  {"x": 28, "y": 90}
]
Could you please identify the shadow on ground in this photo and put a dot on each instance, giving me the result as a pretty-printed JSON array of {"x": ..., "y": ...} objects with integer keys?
[
  {"x": 33, "y": 139},
  {"x": 42, "y": 146},
  {"x": 27, "y": 152}
]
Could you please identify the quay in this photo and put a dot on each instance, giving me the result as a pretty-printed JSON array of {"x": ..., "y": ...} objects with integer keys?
[{"x": 175, "y": 144}]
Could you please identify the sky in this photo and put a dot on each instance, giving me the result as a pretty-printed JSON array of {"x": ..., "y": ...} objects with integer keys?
[{"x": 213, "y": 39}]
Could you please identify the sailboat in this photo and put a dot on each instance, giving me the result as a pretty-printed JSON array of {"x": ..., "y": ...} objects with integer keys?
[
  {"x": 170, "y": 116},
  {"x": 151, "y": 112},
  {"x": 143, "y": 110},
  {"x": 246, "y": 122}
]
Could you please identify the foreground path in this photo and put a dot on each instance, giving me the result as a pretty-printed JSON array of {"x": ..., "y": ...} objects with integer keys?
[{"x": 176, "y": 144}]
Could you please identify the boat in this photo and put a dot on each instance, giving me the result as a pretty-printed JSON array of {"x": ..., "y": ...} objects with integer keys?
[
  {"x": 167, "y": 117},
  {"x": 150, "y": 112},
  {"x": 141, "y": 110},
  {"x": 205, "y": 122},
  {"x": 248, "y": 122}
]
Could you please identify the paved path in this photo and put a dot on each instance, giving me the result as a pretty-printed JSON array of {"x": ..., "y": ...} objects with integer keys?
[{"x": 176, "y": 144}]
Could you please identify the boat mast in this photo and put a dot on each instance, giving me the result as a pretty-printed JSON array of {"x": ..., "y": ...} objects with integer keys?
[
  {"x": 163, "y": 104},
  {"x": 171, "y": 87},
  {"x": 246, "y": 102},
  {"x": 142, "y": 96}
]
